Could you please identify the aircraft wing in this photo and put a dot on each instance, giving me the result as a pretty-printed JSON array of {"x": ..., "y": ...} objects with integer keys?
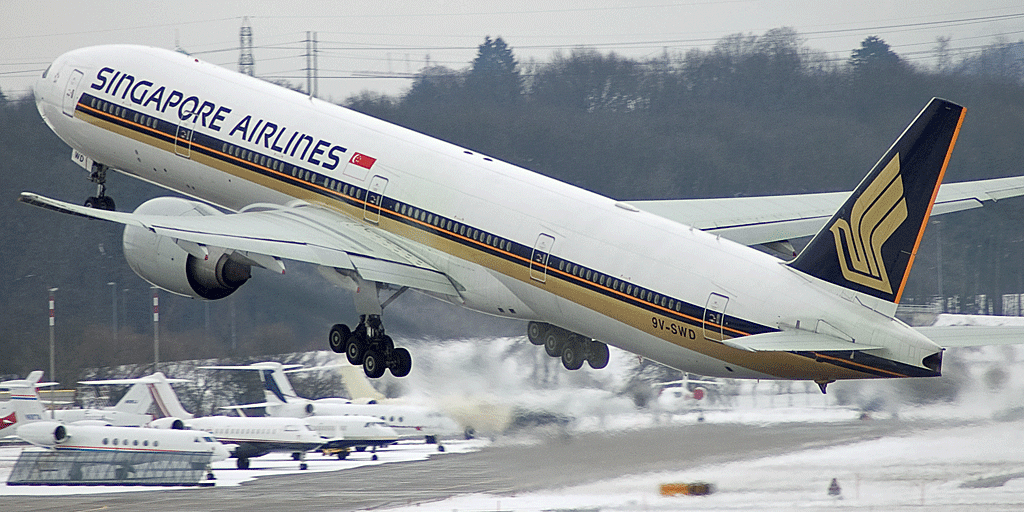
[
  {"x": 303, "y": 232},
  {"x": 766, "y": 219}
]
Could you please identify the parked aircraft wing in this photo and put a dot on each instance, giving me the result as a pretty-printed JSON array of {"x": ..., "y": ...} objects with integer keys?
[
  {"x": 302, "y": 232},
  {"x": 766, "y": 219}
]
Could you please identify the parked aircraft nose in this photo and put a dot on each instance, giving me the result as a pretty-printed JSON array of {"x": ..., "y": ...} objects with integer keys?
[{"x": 220, "y": 452}]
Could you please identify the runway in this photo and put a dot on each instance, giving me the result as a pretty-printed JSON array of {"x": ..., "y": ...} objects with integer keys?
[{"x": 505, "y": 468}]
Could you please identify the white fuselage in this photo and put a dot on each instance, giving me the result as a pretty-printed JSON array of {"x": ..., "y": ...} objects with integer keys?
[
  {"x": 290, "y": 435},
  {"x": 102, "y": 438},
  {"x": 518, "y": 244}
]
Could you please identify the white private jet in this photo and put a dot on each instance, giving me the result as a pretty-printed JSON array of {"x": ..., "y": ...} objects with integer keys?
[
  {"x": 246, "y": 437},
  {"x": 409, "y": 421},
  {"x": 278, "y": 175},
  {"x": 125, "y": 447}
]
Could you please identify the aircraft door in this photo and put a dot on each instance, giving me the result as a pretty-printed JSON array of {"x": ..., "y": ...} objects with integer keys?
[
  {"x": 374, "y": 199},
  {"x": 183, "y": 137},
  {"x": 714, "y": 314},
  {"x": 70, "y": 91},
  {"x": 539, "y": 258}
]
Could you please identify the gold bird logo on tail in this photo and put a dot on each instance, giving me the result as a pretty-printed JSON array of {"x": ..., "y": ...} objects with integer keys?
[{"x": 876, "y": 215}]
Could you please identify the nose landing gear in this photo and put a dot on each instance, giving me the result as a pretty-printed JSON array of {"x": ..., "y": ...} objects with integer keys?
[{"x": 100, "y": 201}]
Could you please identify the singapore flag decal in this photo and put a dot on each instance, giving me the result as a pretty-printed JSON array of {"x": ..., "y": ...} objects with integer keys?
[{"x": 362, "y": 160}]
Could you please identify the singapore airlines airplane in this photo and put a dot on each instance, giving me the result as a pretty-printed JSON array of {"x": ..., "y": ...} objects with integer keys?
[{"x": 281, "y": 176}]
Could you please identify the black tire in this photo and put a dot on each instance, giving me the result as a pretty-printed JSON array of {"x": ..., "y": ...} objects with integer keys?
[
  {"x": 535, "y": 332},
  {"x": 303, "y": 466},
  {"x": 553, "y": 343},
  {"x": 387, "y": 345},
  {"x": 373, "y": 364},
  {"x": 572, "y": 354},
  {"x": 403, "y": 362},
  {"x": 342, "y": 455},
  {"x": 354, "y": 349},
  {"x": 242, "y": 463},
  {"x": 338, "y": 338},
  {"x": 93, "y": 202},
  {"x": 107, "y": 203},
  {"x": 598, "y": 357}
]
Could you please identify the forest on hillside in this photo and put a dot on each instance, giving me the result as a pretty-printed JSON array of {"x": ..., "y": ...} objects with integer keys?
[{"x": 753, "y": 115}]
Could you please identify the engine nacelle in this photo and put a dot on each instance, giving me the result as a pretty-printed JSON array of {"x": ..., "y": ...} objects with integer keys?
[
  {"x": 167, "y": 424},
  {"x": 44, "y": 433},
  {"x": 162, "y": 262}
]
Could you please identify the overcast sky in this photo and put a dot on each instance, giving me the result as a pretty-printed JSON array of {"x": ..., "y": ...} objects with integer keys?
[{"x": 361, "y": 38}]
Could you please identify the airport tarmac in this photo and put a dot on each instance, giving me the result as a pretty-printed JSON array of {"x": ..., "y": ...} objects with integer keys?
[{"x": 509, "y": 467}]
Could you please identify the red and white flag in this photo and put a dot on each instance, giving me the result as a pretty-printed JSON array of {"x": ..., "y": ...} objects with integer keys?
[{"x": 362, "y": 160}]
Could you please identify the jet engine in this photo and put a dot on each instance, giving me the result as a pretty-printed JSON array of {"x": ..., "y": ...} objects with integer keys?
[
  {"x": 167, "y": 424},
  {"x": 44, "y": 433},
  {"x": 160, "y": 260}
]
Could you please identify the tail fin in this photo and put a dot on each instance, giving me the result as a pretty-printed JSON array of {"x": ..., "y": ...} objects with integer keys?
[
  {"x": 136, "y": 400},
  {"x": 357, "y": 385},
  {"x": 870, "y": 243},
  {"x": 277, "y": 389},
  {"x": 24, "y": 405},
  {"x": 166, "y": 399}
]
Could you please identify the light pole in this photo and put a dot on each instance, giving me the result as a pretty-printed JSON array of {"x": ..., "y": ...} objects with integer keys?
[
  {"x": 53, "y": 317},
  {"x": 113, "y": 310},
  {"x": 156, "y": 328}
]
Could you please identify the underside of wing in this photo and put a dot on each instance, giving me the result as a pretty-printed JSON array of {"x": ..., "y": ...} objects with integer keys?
[
  {"x": 301, "y": 232},
  {"x": 767, "y": 219}
]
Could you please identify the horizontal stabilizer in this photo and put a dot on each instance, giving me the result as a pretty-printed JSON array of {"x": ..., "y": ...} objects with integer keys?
[
  {"x": 795, "y": 341},
  {"x": 973, "y": 335}
]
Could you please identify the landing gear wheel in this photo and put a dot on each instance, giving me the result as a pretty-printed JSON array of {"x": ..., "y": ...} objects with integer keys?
[
  {"x": 535, "y": 333},
  {"x": 339, "y": 338},
  {"x": 354, "y": 349},
  {"x": 553, "y": 343},
  {"x": 242, "y": 463},
  {"x": 373, "y": 364},
  {"x": 598, "y": 357},
  {"x": 402, "y": 364},
  {"x": 572, "y": 354},
  {"x": 100, "y": 203},
  {"x": 303, "y": 466}
]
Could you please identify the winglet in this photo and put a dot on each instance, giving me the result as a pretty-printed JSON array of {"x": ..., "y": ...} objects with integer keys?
[{"x": 869, "y": 245}]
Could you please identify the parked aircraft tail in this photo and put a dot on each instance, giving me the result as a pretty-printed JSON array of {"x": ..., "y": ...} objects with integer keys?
[
  {"x": 869, "y": 245},
  {"x": 24, "y": 405}
]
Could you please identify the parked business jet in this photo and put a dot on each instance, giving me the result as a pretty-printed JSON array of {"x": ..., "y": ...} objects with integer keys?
[
  {"x": 130, "y": 411},
  {"x": 128, "y": 445},
  {"x": 409, "y": 421},
  {"x": 281, "y": 176},
  {"x": 246, "y": 437}
]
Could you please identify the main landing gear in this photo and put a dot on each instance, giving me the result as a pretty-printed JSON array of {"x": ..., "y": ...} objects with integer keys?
[
  {"x": 573, "y": 348},
  {"x": 101, "y": 201},
  {"x": 369, "y": 346}
]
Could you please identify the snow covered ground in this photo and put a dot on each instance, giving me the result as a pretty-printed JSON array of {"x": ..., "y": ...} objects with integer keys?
[
  {"x": 976, "y": 467},
  {"x": 269, "y": 465}
]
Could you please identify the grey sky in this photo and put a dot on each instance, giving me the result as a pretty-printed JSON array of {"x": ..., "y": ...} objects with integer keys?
[{"x": 361, "y": 37}]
